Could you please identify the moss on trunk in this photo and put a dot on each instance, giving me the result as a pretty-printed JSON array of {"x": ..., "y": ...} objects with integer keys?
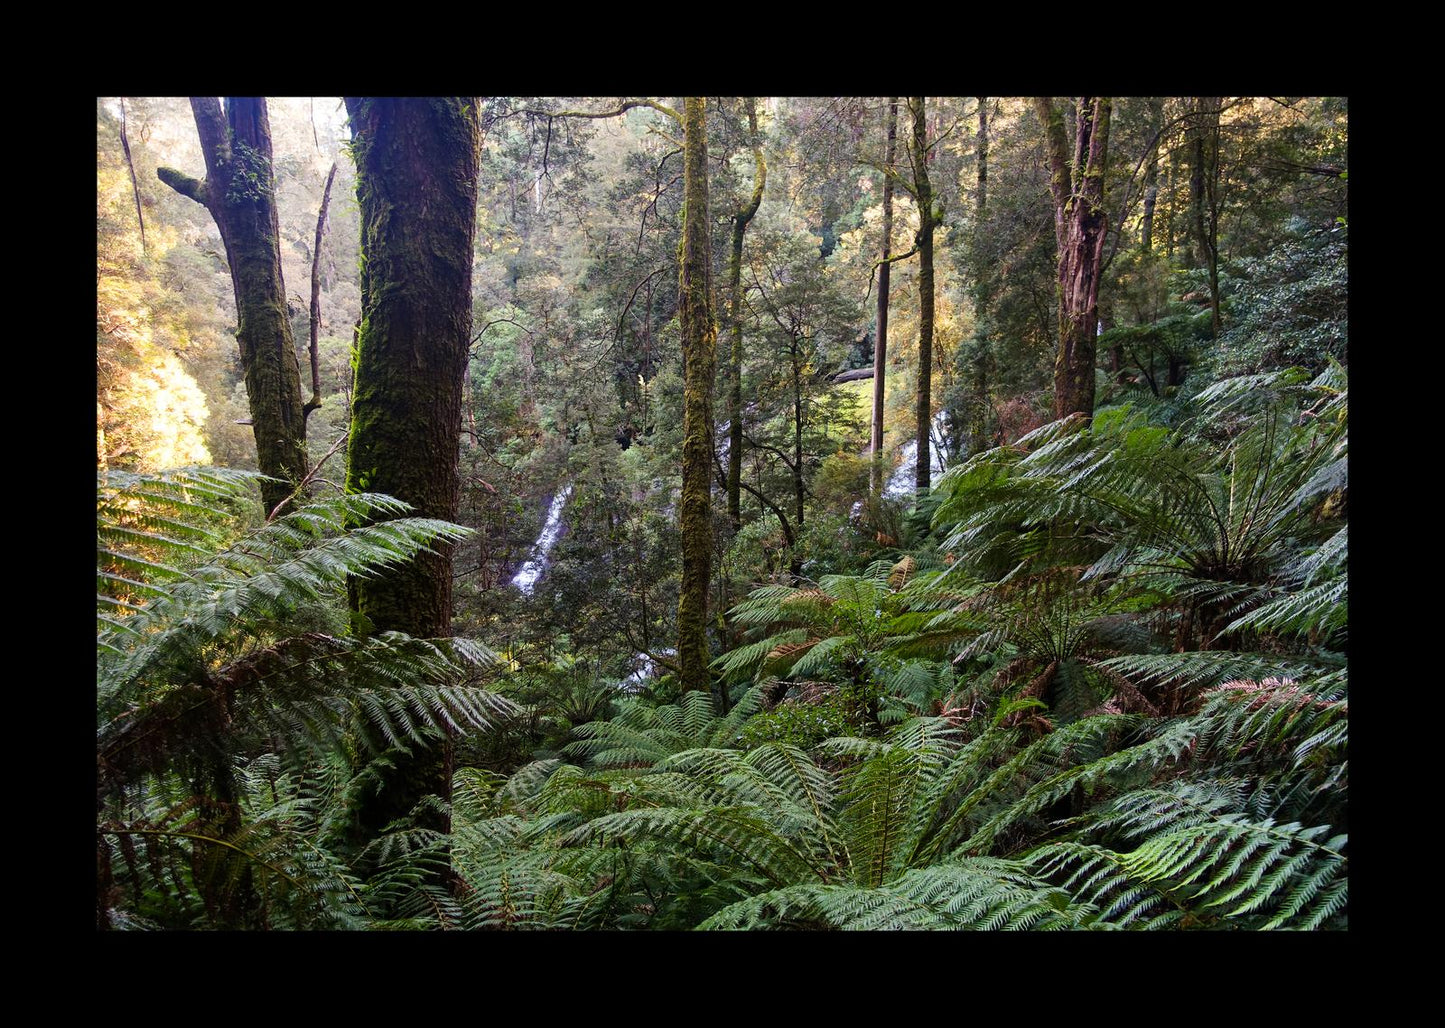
[
  {"x": 240, "y": 192},
  {"x": 699, "y": 358},
  {"x": 417, "y": 163}
]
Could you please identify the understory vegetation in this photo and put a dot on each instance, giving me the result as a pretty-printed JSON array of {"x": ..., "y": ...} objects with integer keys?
[
  {"x": 1119, "y": 701},
  {"x": 1094, "y": 677}
]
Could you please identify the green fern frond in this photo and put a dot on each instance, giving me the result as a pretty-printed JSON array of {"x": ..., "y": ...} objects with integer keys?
[
  {"x": 736, "y": 833},
  {"x": 976, "y": 894},
  {"x": 1207, "y": 668},
  {"x": 1318, "y": 608},
  {"x": 1220, "y": 864}
]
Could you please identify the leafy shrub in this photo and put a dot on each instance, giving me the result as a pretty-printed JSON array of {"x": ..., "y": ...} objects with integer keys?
[{"x": 803, "y": 725}]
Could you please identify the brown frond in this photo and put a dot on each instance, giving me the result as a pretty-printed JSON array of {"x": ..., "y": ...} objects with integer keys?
[
  {"x": 901, "y": 573},
  {"x": 787, "y": 650},
  {"x": 809, "y": 596}
]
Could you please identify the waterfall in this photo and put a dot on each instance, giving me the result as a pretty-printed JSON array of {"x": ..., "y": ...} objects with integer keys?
[
  {"x": 901, "y": 482},
  {"x": 645, "y": 668},
  {"x": 526, "y": 579}
]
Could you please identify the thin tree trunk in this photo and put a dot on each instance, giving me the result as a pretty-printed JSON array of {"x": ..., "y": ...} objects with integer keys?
[
  {"x": 134, "y": 185},
  {"x": 1151, "y": 176},
  {"x": 983, "y": 287},
  {"x": 735, "y": 291},
  {"x": 923, "y": 193},
  {"x": 799, "y": 490},
  {"x": 880, "y": 350},
  {"x": 699, "y": 357},
  {"x": 315, "y": 400},
  {"x": 240, "y": 192},
  {"x": 1169, "y": 211},
  {"x": 1204, "y": 193}
]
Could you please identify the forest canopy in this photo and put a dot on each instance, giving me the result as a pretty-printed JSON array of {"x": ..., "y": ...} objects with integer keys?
[{"x": 722, "y": 513}]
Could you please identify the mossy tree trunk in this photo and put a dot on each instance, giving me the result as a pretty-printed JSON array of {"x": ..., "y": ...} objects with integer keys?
[
  {"x": 1080, "y": 226},
  {"x": 740, "y": 220},
  {"x": 796, "y": 364},
  {"x": 979, "y": 356},
  {"x": 927, "y": 221},
  {"x": 880, "y": 349},
  {"x": 1204, "y": 192},
  {"x": 699, "y": 360},
  {"x": 240, "y": 192},
  {"x": 417, "y": 163}
]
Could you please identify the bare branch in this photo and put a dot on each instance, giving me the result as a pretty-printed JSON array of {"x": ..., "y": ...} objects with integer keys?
[
  {"x": 309, "y": 475},
  {"x": 134, "y": 185}
]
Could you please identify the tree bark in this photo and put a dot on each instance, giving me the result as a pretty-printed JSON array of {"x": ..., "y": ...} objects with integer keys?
[
  {"x": 417, "y": 165},
  {"x": 923, "y": 193},
  {"x": 1151, "y": 176},
  {"x": 1080, "y": 226},
  {"x": 983, "y": 288},
  {"x": 699, "y": 360},
  {"x": 799, "y": 488},
  {"x": 1204, "y": 192},
  {"x": 880, "y": 350},
  {"x": 240, "y": 192},
  {"x": 735, "y": 293}
]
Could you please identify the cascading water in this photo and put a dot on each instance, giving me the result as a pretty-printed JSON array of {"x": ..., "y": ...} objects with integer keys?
[
  {"x": 645, "y": 668},
  {"x": 526, "y": 579},
  {"x": 901, "y": 482}
]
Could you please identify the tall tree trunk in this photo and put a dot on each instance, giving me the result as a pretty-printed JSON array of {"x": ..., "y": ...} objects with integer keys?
[
  {"x": 880, "y": 351},
  {"x": 417, "y": 166},
  {"x": 417, "y": 163},
  {"x": 983, "y": 289},
  {"x": 240, "y": 192},
  {"x": 699, "y": 361},
  {"x": 735, "y": 294},
  {"x": 799, "y": 489},
  {"x": 923, "y": 193},
  {"x": 1080, "y": 226},
  {"x": 1204, "y": 192},
  {"x": 1151, "y": 175},
  {"x": 1169, "y": 212}
]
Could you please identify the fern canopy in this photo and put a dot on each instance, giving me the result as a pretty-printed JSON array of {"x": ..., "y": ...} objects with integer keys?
[{"x": 229, "y": 696}]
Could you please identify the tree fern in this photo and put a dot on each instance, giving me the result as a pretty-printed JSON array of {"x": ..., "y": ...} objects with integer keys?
[
  {"x": 978, "y": 894},
  {"x": 211, "y": 665},
  {"x": 1221, "y": 867}
]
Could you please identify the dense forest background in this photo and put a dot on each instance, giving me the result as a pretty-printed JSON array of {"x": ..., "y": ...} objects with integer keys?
[{"x": 1049, "y": 633}]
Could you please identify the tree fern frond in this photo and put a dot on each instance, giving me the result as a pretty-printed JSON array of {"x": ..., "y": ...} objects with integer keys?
[
  {"x": 740, "y": 832},
  {"x": 976, "y": 894},
  {"x": 1202, "y": 669},
  {"x": 1220, "y": 864},
  {"x": 1318, "y": 608},
  {"x": 1095, "y": 876}
]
